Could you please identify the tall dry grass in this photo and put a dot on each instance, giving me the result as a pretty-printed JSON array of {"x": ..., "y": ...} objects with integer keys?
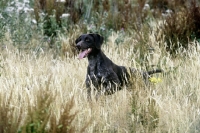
[{"x": 43, "y": 93}]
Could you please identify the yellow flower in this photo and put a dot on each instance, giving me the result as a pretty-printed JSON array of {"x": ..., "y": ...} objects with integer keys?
[{"x": 155, "y": 80}]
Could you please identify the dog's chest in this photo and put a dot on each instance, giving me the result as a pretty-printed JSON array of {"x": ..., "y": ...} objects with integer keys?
[{"x": 96, "y": 71}]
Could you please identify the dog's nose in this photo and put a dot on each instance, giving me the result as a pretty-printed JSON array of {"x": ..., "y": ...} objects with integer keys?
[{"x": 78, "y": 45}]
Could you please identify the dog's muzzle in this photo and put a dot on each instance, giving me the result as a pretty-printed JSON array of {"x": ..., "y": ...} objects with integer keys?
[{"x": 84, "y": 53}]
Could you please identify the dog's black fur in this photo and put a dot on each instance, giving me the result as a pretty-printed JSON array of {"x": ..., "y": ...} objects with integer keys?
[{"x": 102, "y": 73}]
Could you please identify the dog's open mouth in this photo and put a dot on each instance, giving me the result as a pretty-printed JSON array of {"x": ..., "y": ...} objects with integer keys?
[{"x": 84, "y": 53}]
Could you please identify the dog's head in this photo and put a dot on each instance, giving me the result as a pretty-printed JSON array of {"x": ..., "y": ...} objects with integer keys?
[{"x": 88, "y": 43}]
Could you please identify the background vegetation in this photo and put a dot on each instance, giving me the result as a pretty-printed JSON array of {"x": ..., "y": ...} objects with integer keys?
[{"x": 42, "y": 81}]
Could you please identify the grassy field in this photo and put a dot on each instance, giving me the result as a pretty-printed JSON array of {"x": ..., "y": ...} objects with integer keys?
[
  {"x": 43, "y": 93},
  {"x": 42, "y": 81}
]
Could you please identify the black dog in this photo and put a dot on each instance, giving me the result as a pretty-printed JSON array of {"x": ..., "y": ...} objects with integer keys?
[{"x": 102, "y": 73}]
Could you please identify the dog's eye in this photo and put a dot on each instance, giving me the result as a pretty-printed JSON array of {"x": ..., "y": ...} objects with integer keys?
[{"x": 87, "y": 40}]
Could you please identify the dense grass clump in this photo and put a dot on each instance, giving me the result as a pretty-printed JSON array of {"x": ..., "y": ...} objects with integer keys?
[
  {"x": 182, "y": 26},
  {"x": 38, "y": 114}
]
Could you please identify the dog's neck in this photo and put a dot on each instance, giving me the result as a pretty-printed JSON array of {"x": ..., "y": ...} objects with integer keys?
[
  {"x": 94, "y": 58},
  {"x": 94, "y": 54}
]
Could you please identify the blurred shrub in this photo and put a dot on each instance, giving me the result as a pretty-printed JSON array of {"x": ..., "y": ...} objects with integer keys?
[
  {"x": 3, "y": 5},
  {"x": 105, "y": 14},
  {"x": 18, "y": 23},
  {"x": 120, "y": 14},
  {"x": 181, "y": 27},
  {"x": 54, "y": 17},
  {"x": 53, "y": 11}
]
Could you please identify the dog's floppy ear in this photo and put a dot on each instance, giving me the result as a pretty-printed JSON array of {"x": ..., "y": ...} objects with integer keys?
[{"x": 98, "y": 40}]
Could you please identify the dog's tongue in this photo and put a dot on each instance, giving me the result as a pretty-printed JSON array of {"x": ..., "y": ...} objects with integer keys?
[{"x": 84, "y": 53}]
